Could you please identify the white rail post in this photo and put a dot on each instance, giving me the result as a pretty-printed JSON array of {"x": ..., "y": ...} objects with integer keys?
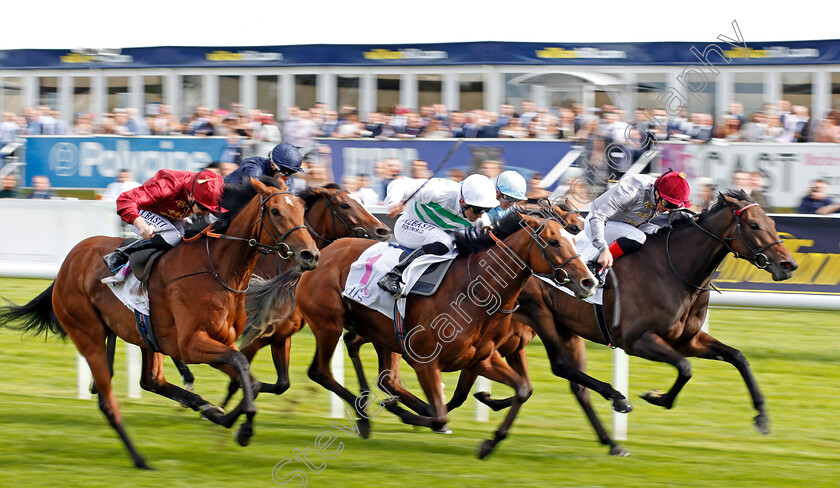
[
  {"x": 621, "y": 382},
  {"x": 482, "y": 411},
  {"x": 337, "y": 366},
  {"x": 132, "y": 361},
  {"x": 83, "y": 378}
]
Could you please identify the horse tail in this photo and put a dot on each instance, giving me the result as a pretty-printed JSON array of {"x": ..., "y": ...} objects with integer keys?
[
  {"x": 268, "y": 301},
  {"x": 36, "y": 317}
]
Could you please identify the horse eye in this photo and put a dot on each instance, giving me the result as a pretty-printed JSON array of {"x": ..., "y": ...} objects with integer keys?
[
  {"x": 345, "y": 205},
  {"x": 754, "y": 226},
  {"x": 554, "y": 242},
  {"x": 275, "y": 212}
]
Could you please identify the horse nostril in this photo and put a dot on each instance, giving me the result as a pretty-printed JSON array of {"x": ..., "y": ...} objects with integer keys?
[
  {"x": 383, "y": 232},
  {"x": 788, "y": 266},
  {"x": 587, "y": 283},
  {"x": 307, "y": 256}
]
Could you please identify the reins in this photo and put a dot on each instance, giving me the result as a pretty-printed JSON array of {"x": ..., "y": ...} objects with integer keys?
[
  {"x": 759, "y": 259},
  {"x": 255, "y": 243},
  {"x": 335, "y": 215}
]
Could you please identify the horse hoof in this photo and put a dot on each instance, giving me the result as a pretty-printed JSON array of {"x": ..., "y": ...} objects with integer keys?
[
  {"x": 619, "y": 451},
  {"x": 210, "y": 412},
  {"x": 621, "y": 405},
  {"x": 364, "y": 427},
  {"x": 141, "y": 464},
  {"x": 189, "y": 387},
  {"x": 762, "y": 423},
  {"x": 482, "y": 396},
  {"x": 656, "y": 397},
  {"x": 485, "y": 448},
  {"x": 246, "y": 431},
  {"x": 444, "y": 429}
]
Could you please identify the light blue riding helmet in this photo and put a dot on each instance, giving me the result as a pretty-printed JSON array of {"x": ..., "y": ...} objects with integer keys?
[{"x": 512, "y": 184}]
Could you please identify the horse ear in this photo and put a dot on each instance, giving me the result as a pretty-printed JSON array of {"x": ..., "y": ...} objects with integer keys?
[{"x": 259, "y": 186}]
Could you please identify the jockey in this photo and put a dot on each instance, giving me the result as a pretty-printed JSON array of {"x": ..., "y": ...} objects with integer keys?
[
  {"x": 282, "y": 162},
  {"x": 157, "y": 209},
  {"x": 439, "y": 207},
  {"x": 621, "y": 216},
  {"x": 510, "y": 189}
]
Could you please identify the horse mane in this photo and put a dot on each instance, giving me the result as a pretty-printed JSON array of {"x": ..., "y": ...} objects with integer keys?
[
  {"x": 236, "y": 196},
  {"x": 310, "y": 194},
  {"x": 474, "y": 240},
  {"x": 682, "y": 219}
]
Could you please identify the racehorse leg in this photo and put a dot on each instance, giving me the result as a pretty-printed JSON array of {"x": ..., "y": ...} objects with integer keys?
[
  {"x": 429, "y": 376},
  {"x": 110, "y": 346},
  {"x": 97, "y": 359},
  {"x": 353, "y": 342},
  {"x": 327, "y": 334},
  {"x": 466, "y": 380},
  {"x": 707, "y": 347},
  {"x": 250, "y": 351},
  {"x": 575, "y": 350},
  {"x": 519, "y": 362},
  {"x": 186, "y": 375},
  {"x": 496, "y": 369},
  {"x": 199, "y": 348},
  {"x": 651, "y": 346}
]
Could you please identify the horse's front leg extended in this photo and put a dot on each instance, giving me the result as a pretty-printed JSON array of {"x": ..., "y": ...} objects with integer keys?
[
  {"x": 707, "y": 347},
  {"x": 650, "y": 346}
]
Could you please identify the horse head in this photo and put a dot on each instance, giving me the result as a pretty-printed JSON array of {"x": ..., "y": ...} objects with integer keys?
[
  {"x": 564, "y": 212},
  {"x": 755, "y": 238},
  {"x": 332, "y": 214},
  {"x": 552, "y": 252},
  {"x": 281, "y": 225}
]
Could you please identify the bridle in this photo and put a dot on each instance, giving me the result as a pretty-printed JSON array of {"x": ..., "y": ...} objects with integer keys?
[
  {"x": 556, "y": 269},
  {"x": 357, "y": 231},
  {"x": 279, "y": 244},
  {"x": 758, "y": 258}
]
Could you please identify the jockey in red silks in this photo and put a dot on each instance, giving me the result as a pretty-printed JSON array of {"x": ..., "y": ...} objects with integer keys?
[
  {"x": 619, "y": 220},
  {"x": 158, "y": 209}
]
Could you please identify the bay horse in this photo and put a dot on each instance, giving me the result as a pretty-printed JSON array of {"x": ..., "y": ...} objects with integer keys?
[
  {"x": 331, "y": 214},
  {"x": 664, "y": 328},
  {"x": 196, "y": 295},
  {"x": 664, "y": 290},
  {"x": 467, "y": 334}
]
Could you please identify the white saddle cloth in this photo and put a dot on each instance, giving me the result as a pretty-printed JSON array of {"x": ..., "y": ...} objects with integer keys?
[
  {"x": 377, "y": 260},
  {"x": 133, "y": 293}
]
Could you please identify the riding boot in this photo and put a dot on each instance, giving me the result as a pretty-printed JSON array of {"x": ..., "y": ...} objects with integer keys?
[
  {"x": 392, "y": 281},
  {"x": 117, "y": 259}
]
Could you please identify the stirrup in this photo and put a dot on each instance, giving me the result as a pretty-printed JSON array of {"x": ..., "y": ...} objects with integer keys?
[
  {"x": 599, "y": 273},
  {"x": 115, "y": 260},
  {"x": 391, "y": 282}
]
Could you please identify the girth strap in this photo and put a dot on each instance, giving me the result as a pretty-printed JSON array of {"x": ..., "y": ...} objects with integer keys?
[
  {"x": 602, "y": 325},
  {"x": 144, "y": 328}
]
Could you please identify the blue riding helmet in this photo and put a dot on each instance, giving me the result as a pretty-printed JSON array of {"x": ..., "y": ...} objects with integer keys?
[
  {"x": 285, "y": 157},
  {"x": 512, "y": 184}
]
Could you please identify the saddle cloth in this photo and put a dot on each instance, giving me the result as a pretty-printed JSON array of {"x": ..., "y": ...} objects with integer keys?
[
  {"x": 131, "y": 291},
  {"x": 380, "y": 258}
]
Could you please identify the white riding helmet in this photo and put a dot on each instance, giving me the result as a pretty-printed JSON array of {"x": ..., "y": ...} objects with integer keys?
[
  {"x": 479, "y": 191},
  {"x": 512, "y": 184}
]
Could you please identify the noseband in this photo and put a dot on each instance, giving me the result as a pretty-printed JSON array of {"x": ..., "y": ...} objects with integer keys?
[
  {"x": 758, "y": 258},
  {"x": 276, "y": 248}
]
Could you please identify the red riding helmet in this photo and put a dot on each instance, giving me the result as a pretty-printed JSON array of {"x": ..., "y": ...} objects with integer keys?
[
  {"x": 673, "y": 187},
  {"x": 207, "y": 188}
]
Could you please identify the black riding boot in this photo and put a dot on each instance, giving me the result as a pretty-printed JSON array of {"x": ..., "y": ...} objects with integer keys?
[
  {"x": 392, "y": 281},
  {"x": 119, "y": 257}
]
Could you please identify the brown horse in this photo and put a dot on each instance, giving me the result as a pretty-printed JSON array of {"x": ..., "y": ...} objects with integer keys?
[
  {"x": 668, "y": 331},
  {"x": 331, "y": 214},
  {"x": 513, "y": 350},
  {"x": 468, "y": 332},
  {"x": 664, "y": 296},
  {"x": 196, "y": 300}
]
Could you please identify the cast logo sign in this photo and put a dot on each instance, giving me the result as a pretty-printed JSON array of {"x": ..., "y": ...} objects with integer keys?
[
  {"x": 404, "y": 54},
  {"x": 580, "y": 53},
  {"x": 243, "y": 56},
  {"x": 96, "y": 56}
]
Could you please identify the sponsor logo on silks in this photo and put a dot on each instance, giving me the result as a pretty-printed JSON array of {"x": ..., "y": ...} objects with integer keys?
[
  {"x": 404, "y": 54},
  {"x": 96, "y": 56},
  {"x": 579, "y": 53},
  {"x": 243, "y": 56},
  {"x": 773, "y": 52}
]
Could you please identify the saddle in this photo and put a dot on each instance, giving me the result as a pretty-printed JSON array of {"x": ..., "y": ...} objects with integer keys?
[
  {"x": 431, "y": 279},
  {"x": 142, "y": 262}
]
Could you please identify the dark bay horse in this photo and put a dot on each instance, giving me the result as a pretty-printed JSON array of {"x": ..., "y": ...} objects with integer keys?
[
  {"x": 665, "y": 328},
  {"x": 196, "y": 300},
  {"x": 443, "y": 336},
  {"x": 664, "y": 297}
]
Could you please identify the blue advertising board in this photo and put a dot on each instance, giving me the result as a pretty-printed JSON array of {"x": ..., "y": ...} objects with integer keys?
[
  {"x": 93, "y": 162},
  {"x": 359, "y": 156}
]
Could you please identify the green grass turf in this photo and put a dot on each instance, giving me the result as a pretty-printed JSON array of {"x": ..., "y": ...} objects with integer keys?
[{"x": 49, "y": 438}]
